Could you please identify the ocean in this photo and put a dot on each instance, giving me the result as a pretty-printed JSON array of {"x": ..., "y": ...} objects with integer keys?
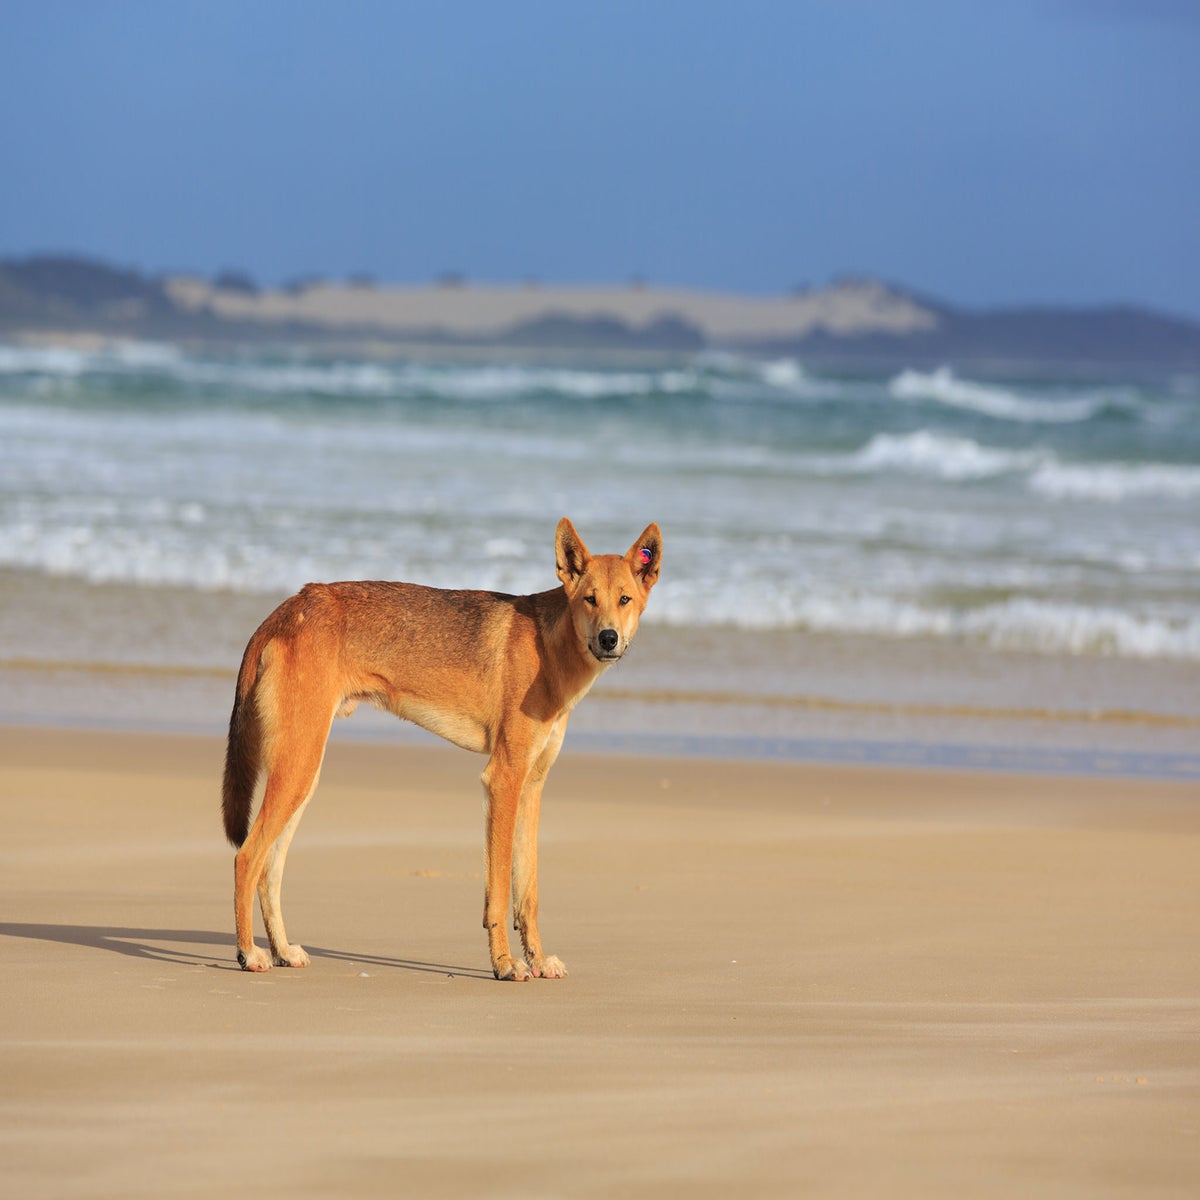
[{"x": 916, "y": 556}]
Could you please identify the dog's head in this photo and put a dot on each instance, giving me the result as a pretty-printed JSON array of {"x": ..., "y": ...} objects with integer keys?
[{"x": 606, "y": 593}]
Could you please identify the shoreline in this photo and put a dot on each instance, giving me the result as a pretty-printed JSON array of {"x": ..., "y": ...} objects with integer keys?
[
  {"x": 164, "y": 658},
  {"x": 161, "y": 700},
  {"x": 956, "y": 756},
  {"x": 844, "y": 980},
  {"x": 846, "y": 701}
]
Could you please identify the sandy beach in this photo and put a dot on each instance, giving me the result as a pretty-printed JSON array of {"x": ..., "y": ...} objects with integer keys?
[{"x": 785, "y": 980}]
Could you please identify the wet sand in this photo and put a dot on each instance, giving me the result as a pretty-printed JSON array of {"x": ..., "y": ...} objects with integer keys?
[
  {"x": 165, "y": 658},
  {"x": 785, "y": 980}
]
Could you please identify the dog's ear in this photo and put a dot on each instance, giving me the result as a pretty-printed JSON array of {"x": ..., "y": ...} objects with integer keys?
[
  {"x": 645, "y": 556},
  {"x": 571, "y": 555}
]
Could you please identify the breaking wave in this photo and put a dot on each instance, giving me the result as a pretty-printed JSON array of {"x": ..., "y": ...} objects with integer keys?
[
  {"x": 931, "y": 455},
  {"x": 944, "y": 387},
  {"x": 1018, "y": 624},
  {"x": 1114, "y": 482},
  {"x": 302, "y": 376},
  {"x": 941, "y": 456}
]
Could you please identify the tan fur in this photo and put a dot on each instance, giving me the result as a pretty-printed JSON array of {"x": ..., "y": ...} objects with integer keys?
[{"x": 492, "y": 673}]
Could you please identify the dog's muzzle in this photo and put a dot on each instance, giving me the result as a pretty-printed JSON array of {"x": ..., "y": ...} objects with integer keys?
[{"x": 606, "y": 645}]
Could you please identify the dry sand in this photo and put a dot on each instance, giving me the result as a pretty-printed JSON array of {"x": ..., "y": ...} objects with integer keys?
[{"x": 785, "y": 980}]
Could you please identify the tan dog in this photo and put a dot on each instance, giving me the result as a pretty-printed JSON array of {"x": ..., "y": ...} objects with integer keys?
[{"x": 492, "y": 673}]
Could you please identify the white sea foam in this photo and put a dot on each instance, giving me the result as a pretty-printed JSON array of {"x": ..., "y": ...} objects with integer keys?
[
  {"x": 783, "y": 373},
  {"x": 138, "y": 356},
  {"x": 347, "y": 378},
  {"x": 1017, "y": 624},
  {"x": 218, "y": 544},
  {"x": 1025, "y": 624},
  {"x": 39, "y": 360},
  {"x": 1114, "y": 482},
  {"x": 482, "y": 383},
  {"x": 1062, "y": 627},
  {"x": 71, "y": 362},
  {"x": 928, "y": 454},
  {"x": 941, "y": 456},
  {"x": 52, "y": 440},
  {"x": 718, "y": 374},
  {"x": 944, "y": 387},
  {"x": 324, "y": 379}
]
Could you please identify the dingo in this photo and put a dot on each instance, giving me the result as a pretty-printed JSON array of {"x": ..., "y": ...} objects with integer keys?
[{"x": 491, "y": 673}]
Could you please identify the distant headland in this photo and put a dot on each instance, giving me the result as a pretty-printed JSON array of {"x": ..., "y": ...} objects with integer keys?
[{"x": 851, "y": 322}]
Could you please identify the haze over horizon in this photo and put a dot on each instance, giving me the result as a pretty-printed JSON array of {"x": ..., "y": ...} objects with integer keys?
[{"x": 1038, "y": 154}]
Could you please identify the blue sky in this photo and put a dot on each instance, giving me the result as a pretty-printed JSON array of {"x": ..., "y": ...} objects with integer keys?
[{"x": 982, "y": 153}]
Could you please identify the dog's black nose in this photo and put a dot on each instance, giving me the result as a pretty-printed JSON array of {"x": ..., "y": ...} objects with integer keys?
[{"x": 608, "y": 640}]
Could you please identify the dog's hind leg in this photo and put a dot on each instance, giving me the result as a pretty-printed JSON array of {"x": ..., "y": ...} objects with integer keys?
[
  {"x": 525, "y": 862},
  {"x": 258, "y": 865},
  {"x": 282, "y": 953}
]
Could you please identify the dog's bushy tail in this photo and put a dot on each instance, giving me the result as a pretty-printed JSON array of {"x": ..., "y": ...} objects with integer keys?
[{"x": 243, "y": 750}]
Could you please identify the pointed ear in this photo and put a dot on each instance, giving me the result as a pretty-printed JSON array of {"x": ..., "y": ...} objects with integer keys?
[
  {"x": 571, "y": 555},
  {"x": 645, "y": 556}
]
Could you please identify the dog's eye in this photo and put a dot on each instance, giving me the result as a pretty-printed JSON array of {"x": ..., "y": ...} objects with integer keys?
[
  {"x": 624, "y": 600},
  {"x": 591, "y": 600}
]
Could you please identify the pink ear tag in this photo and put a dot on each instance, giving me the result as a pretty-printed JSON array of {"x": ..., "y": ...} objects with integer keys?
[{"x": 645, "y": 556}]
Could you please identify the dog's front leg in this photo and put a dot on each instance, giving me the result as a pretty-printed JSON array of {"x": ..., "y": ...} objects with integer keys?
[
  {"x": 525, "y": 862},
  {"x": 503, "y": 781}
]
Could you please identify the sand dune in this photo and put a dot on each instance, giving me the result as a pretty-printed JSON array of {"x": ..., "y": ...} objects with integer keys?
[{"x": 482, "y": 310}]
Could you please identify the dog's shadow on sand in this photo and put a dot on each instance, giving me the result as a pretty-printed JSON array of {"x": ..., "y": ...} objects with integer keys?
[{"x": 163, "y": 945}]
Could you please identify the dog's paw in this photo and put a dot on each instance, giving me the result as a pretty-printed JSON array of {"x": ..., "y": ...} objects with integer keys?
[
  {"x": 550, "y": 967},
  {"x": 254, "y": 959},
  {"x": 511, "y": 969},
  {"x": 291, "y": 956}
]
